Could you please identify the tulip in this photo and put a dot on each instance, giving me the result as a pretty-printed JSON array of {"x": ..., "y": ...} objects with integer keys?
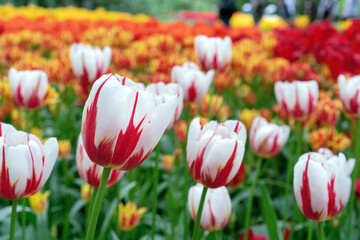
[
  {"x": 64, "y": 148},
  {"x": 26, "y": 163},
  {"x": 163, "y": 92},
  {"x": 350, "y": 93},
  {"x": 89, "y": 171},
  {"x": 253, "y": 236},
  {"x": 168, "y": 162},
  {"x": 122, "y": 123},
  {"x": 297, "y": 99},
  {"x": 215, "y": 151},
  {"x": 357, "y": 189},
  {"x": 195, "y": 84},
  {"x": 89, "y": 63},
  {"x": 239, "y": 177},
  {"x": 213, "y": 52},
  {"x": 267, "y": 139},
  {"x": 129, "y": 216},
  {"x": 85, "y": 192},
  {"x": 322, "y": 184},
  {"x": 38, "y": 201},
  {"x": 28, "y": 88}
]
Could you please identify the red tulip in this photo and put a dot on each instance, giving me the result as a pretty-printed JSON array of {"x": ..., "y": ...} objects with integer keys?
[
  {"x": 26, "y": 163},
  {"x": 122, "y": 123},
  {"x": 215, "y": 152},
  {"x": 28, "y": 88},
  {"x": 89, "y": 171},
  {"x": 298, "y": 98}
]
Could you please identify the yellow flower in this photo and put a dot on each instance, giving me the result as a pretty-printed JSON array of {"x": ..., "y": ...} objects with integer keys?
[
  {"x": 241, "y": 20},
  {"x": 64, "y": 148},
  {"x": 302, "y": 21},
  {"x": 37, "y": 132},
  {"x": 85, "y": 192},
  {"x": 129, "y": 216},
  {"x": 38, "y": 201},
  {"x": 328, "y": 137},
  {"x": 247, "y": 116},
  {"x": 167, "y": 162},
  {"x": 270, "y": 22},
  {"x": 345, "y": 24}
]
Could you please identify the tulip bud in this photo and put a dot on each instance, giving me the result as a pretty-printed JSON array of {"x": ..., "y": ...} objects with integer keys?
[
  {"x": 38, "y": 201},
  {"x": 85, "y": 192},
  {"x": 322, "y": 184},
  {"x": 129, "y": 216},
  {"x": 28, "y": 88},
  {"x": 64, "y": 148},
  {"x": 215, "y": 151},
  {"x": 267, "y": 139},
  {"x": 213, "y": 52},
  {"x": 297, "y": 99},
  {"x": 217, "y": 207}
]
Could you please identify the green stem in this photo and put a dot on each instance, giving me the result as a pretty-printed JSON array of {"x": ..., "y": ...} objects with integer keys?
[
  {"x": 355, "y": 175},
  {"x": 321, "y": 230},
  {"x": 156, "y": 179},
  {"x": 91, "y": 204},
  {"x": 66, "y": 226},
  {"x": 13, "y": 219},
  {"x": 212, "y": 90},
  {"x": 299, "y": 141},
  {"x": 252, "y": 191},
  {"x": 23, "y": 218},
  {"x": 215, "y": 235},
  {"x": 198, "y": 215},
  {"x": 97, "y": 204},
  {"x": 310, "y": 231}
]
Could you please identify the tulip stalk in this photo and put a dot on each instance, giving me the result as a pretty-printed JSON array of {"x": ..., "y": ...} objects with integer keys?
[
  {"x": 320, "y": 230},
  {"x": 97, "y": 204},
  {"x": 13, "y": 219},
  {"x": 310, "y": 231},
  {"x": 212, "y": 90},
  {"x": 91, "y": 204},
  {"x": 65, "y": 234},
  {"x": 156, "y": 179},
  {"x": 251, "y": 197},
  {"x": 198, "y": 215}
]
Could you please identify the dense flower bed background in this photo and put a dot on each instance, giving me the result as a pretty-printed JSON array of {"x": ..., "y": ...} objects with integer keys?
[{"x": 145, "y": 50}]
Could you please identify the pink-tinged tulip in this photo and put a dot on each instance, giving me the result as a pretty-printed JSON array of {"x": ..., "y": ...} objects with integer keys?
[
  {"x": 322, "y": 184},
  {"x": 89, "y": 171},
  {"x": 253, "y": 236},
  {"x": 213, "y": 52},
  {"x": 89, "y": 63},
  {"x": 297, "y": 99},
  {"x": 217, "y": 207},
  {"x": 215, "y": 152},
  {"x": 122, "y": 122},
  {"x": 28, "y": 88},
  {"x": 26, "y": 163},
  {"x": 267, "y": 139},
  {"x": 195, "y": 83},
  {"x": 163, "y": 92},
  {"x": 350, "y": 93}
]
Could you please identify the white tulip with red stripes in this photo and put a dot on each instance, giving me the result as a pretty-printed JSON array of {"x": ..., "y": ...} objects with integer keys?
[
  {"x": 322, "y": 184},
  {"x": 195, "y": 83},
  {"x": 215, "y": 152},
  {"x": 267, "y": 139},
  {"x": 163, "y": 92},
  {"x": 25, "y": 163},
  {"x": 28, "y": 88},
  {"x": 297, "y": 99},
  {"x": 122, "y": 122},
  {"x": 213, "y": 52},
  {"x": 88, "y": 63},
  {"x": 217, "y": 207},
  {"x": 350, "y": 93}
]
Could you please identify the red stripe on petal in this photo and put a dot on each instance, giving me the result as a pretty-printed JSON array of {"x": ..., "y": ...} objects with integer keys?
[
  {"x": 333, "y": 211},
  {"x": 92, "y": 175},
  {"x": 34, "y": 100},
  {"x": 6, "y": 189},
  {"x": 19, "y": 99},
  {"x": 354, "y": 105},
  {"x": 192, "y": 93},
  {"x": 212, "y": 216}
]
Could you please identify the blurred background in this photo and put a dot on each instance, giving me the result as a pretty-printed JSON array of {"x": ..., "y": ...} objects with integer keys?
[{"x": 172, "y": 9}]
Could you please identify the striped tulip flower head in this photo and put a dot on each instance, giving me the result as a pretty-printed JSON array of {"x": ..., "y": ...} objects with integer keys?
[
  {"x": 28, "y": 88},
  {"x": 88, "y": 63},
  {"x": 195, "y": 83},
  {"x": 26, "y": 163},
  {"x": 89, "y": 171},
  {"x": 215, "y": 152},
  {"x": 297, "y": 99},
  {"x": 267, "y": 139},
  {"x": 122, "y": 122},
  {"x": 213, "y": 52},
  {"x": 163, "y": 92},
  {"x": 217, "y": 207},
  {"x": 322, "y": 184},
  {"x": 350, "y": 93}
]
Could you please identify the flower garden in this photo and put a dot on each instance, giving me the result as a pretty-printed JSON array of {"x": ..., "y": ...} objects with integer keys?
[{"x": 119, "y": 126}]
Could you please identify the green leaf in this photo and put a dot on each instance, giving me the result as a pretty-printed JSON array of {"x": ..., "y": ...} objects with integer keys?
[{"x": 269, "y": 215}]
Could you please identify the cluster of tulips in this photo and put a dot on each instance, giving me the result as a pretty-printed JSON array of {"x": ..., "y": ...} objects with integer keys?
[{"x": 195, "y": 110}]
